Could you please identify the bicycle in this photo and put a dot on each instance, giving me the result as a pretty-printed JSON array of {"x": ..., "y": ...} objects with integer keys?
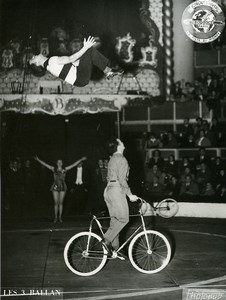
[
  {"x": 149, "y": 250},
  {"x": 166, "y": 208}
]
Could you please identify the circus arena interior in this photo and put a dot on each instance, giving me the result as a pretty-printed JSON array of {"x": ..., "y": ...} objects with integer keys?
[{"x": 166, "y": 101}]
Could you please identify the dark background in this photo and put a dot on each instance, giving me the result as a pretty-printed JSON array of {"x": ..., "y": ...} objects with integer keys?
[
  {"x": 103, "y": 18},
  {"x": 56, "y": 137}
]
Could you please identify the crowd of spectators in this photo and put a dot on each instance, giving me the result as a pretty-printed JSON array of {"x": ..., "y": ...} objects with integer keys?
[
  {"x": 199, "y": 176},
  {"x": 200, "y": 134},
  {"x": 209, "y": 86},
  {"x": 186, "y": 178}
]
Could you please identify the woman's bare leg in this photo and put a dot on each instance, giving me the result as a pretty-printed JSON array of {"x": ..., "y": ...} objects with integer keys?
[
  {"x": 61, "y": 201},
  {"x": 56, "y": 196}
]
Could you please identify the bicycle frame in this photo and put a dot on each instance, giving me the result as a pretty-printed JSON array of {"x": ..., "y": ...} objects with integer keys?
[
  {"x": 142, "y": 226},
  {"x": 149, "y": 251}
]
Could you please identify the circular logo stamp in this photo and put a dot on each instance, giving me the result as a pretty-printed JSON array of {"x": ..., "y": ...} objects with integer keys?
[{"x": 203, "y": 21}]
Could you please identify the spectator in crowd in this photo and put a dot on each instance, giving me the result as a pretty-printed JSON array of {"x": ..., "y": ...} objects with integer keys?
[
  {"x": 215, "y": 86},
  {"x": 198, "y": 91},
  {"x": 164, "y": 178},
  {"x": 203, "y": 176},
  {"x": 216, "y": 132},
  {"x": 212, "y": 99},
  {"x": 202, "y": 140},
  {"x": 188, "y": 91},
  {"x": 222, "y": 81},
  {"x": 171, "y": 166},
  {"x": 80, "y": 189},
  {"x": 155, "y": 189},
  {"x": 153, "y": 142},
  {"x": 220, "y": 142},
  {"x": 173, "y": 187},
  {"x": 206, "y": 129},
  {"x": 197, "y": 126},
  {"x": 19, "y": 162},
  {"x": 189, "y": 187},
  {"x": 28, "y": 177},
  {"x": 176, "y": 91},
  {"x": 205, "y": 126},
  {"x": 14, "y": 188},
  {"x": 151, "y": 173},
  {"x": 202, "y": 78},
  {"x": 202, "y": 156},
  {"x": 162, "y": 139},
  {"x": 209, "y": 81},
  {"x": 187, "y": 127},
  {"x": 185, "y": 131},
  {"x": 220, "y": 179},
  {"x": 156, "y": 159},
  {"x": 217, "y": 165},
  {"x": 171, "y": 141},
  {"x": 190, "y": 141},
  {"x": 184, "y": 163},
  {"x": 215, "y": 126},
  {"x": 207, "y": 190},
  {"x": 221, "y": 193},
  {"x": 187, "y": 171}
]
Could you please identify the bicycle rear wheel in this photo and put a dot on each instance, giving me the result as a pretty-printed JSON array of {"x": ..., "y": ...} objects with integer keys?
[
  {"x": 149, "y": 253},
  {"x": 84, "y": 254},
  {"x": 167, "y": 208}
]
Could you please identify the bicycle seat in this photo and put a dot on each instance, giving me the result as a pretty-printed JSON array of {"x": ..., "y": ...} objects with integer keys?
[{"x": 100, "y": 214}]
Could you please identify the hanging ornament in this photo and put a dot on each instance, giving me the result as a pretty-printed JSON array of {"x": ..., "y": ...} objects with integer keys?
[
  {"x": 124, "y": 47},
  {"x": 44, "y": 47},
  {"x": 16, "y": 46},
  {"x": 7, "y": 58}
]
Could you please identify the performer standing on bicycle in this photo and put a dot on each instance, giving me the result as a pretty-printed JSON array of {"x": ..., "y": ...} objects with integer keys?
[{"x": 115, "y": 193}]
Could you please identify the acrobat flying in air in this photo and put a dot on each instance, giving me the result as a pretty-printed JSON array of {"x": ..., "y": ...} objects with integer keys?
[{"x": 77, "y": 68}]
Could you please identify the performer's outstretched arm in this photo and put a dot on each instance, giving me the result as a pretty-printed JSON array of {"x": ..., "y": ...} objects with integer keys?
[
  {"x": 43, "y": 163},
  {"x": 75, "y": 163},
  {"x": 63, "y": 60}
]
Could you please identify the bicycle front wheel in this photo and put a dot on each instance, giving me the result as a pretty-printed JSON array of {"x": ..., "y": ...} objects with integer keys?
[
  {"x": 149, "y": 252},
  {"x": 167, "y": 208},
  {"x": 84, "y": 254}
]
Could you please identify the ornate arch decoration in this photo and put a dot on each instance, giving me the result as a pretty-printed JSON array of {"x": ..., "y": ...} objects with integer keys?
[{"x": 158, "y": 55}]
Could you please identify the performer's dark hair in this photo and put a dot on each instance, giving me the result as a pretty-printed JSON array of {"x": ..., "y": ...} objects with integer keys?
[
  {"x": 36, "y": 70},
  {"x": 112, "y": 145}
]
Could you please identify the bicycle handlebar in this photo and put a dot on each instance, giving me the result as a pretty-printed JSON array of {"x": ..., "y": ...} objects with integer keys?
[
  {"x": 142, "y": 211},
  {"x": 141, "y": 200}
]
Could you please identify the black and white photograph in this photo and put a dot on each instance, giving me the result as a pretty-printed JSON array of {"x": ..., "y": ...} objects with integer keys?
[{"x": 113, "y": 149}]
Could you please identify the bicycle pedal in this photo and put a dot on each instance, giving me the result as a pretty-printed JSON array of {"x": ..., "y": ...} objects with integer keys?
[{"x": 120, "y": 257}]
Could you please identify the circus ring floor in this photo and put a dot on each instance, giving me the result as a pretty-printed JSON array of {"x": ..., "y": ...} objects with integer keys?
[{"x": 32, "y": 256}]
